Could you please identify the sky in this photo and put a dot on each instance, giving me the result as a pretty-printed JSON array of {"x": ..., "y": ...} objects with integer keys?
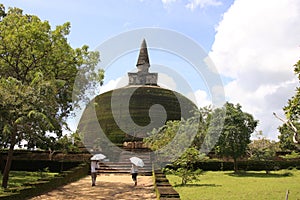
[{"x": 253, "y": 44}]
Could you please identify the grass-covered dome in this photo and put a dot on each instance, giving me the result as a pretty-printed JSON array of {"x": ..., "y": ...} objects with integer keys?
[{"x": 100, "y": 119}]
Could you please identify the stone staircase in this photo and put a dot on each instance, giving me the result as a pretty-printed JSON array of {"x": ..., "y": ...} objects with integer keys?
[{"x": 123, "y": 165}]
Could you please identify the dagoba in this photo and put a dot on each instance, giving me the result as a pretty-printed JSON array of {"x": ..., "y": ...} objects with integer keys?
[{"x": 129, "y": 113}]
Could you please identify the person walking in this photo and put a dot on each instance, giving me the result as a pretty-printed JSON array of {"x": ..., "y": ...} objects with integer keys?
[
  {"x": 94, "y": 164},
  {"x": 134, "y": 173}
]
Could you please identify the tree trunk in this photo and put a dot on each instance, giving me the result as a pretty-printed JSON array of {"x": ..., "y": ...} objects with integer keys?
[
  {"x": 1, "y": 162},
  {"x": 235, "y": 165},
  {"x": 8, "y": 162}
]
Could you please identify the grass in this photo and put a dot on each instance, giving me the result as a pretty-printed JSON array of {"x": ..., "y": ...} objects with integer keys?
[
  {"x": 140, "y": 101},
  {"x": 248, "y": 185},
  {"x": 22, "y": 179}
]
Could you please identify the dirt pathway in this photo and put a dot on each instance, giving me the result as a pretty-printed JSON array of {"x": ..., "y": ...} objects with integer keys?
[{"x": 108, "y": 187}]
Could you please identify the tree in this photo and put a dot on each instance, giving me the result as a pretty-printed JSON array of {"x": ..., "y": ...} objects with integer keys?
[
  {"x": 262, "y": 149},
  {"x": 42, "y": 79},
  {"x": 172, "y": 140},
  {"x": 292, "y": 112},
  {"x": 205, "y": 115},
  {"x": 179, "y": 142},
  {"x": 235, "y": 133},
  {"x": 289, "y": 126},
  {"x": 286, "y": 138},
  {"x": 185, "y": 165}
]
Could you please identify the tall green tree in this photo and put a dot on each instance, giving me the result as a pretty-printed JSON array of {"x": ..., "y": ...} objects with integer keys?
[
  {"x": 286, "y": 142},
  {"x": 292, "y": 110},
  {"x": 235, "y": 133},
  {"x": 205, "y": 115},
  {"x": 42, "y": 78},
  {"x": 264, "y": 150}
]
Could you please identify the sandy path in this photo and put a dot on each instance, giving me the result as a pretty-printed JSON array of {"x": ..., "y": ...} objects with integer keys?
[{"x": 107, "y": 187}]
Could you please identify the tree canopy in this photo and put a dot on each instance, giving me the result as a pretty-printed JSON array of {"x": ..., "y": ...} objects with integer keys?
[
  {"x": 235, "y": 133},
  {"x": 286, "y": 137},
  {"x": 292, "y": 110},
  {"x": 42, "y": 78},
  {"x": 263, "y": 149}
]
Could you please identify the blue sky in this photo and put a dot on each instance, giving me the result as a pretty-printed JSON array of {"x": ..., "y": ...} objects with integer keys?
[
  {"x": 252, "y": 43},
  {"x": 94, "y": 21}
]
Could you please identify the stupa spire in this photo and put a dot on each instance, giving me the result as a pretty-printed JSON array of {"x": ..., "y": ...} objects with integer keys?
[
  {"x": 142, "y": 76},
  {"x": 143, "y": 58}
]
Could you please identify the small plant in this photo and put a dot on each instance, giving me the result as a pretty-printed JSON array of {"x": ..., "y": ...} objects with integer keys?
[
  {"x": 185, "y": 166},
  {"x": 44, "y": 173}
]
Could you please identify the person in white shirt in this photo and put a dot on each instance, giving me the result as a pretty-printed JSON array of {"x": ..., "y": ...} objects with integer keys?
[
  {"x": 94, "y": 165},
  {"x": 134, "y": 173}
]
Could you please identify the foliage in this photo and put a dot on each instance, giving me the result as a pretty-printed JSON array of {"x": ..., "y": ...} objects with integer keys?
[
  {"x": 292, "y": 155},
  {"x": 262, "y": 149},
  {"x": 286, "y": 137},
  {"x": 162, "y": 136},
  {"x": 173, "y": 139},
  {"x": 185, "y": 166},
  {"x": 205, "y": 115},
  {"x": 68, "y": 143},
  {"x": 251, "y": 185},
  {"x": 42, "y": 79},
  {"x": 292, "y": 110},
  {"x": 236, "y": 132}
]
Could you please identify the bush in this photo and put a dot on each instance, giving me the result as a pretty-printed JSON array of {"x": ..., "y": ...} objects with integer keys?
[{"x": 249, "y": 165}]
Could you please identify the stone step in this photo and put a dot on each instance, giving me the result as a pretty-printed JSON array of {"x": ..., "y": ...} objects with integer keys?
[
  {"x": 122, "y": 166},
  {"x": 123, "y": 169},
  {"x": 127, "y": 165},
  {"x": 168, "y": 192},
  {"x": 143, "y": 173},
  {"x": 126, "y": 158},
  {"x": 123, "y": 162}
]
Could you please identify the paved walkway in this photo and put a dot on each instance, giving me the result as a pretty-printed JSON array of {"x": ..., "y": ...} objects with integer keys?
[{"x": 108, "y": 187}]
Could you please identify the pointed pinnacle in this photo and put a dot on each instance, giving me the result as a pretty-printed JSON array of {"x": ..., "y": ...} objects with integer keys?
[{"x": 143, "y": 56}]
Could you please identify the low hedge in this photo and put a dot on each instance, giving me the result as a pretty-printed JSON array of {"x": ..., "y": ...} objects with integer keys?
[
  {"x": 59, "y": 180},
  {"x": 249, "y": 165},
  {"x": 39, "y": 165}
]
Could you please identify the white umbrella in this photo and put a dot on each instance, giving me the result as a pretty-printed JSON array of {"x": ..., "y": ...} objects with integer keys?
[
  {"x": 98, "y": 157},
  {"x": 137, "y": 161}
]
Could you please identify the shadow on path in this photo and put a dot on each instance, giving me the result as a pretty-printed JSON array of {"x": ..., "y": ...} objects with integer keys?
[{"x": 107, "y": 187}]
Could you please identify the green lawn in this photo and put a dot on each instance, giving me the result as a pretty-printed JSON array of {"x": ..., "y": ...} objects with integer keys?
[
  {"x": 21, "y": 179},
  {"x": 249, "y": 185}
]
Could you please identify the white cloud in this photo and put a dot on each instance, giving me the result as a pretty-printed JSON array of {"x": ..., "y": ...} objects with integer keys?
[
  {"x": 193, "y": 4},
  {"x": 166, "y": 81},
  {"x": 165, "y": 2},
  {"x": 200, "y": 98},
  {"x": 114, "y": 84},
  {"x": 256, "y": 45}
]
